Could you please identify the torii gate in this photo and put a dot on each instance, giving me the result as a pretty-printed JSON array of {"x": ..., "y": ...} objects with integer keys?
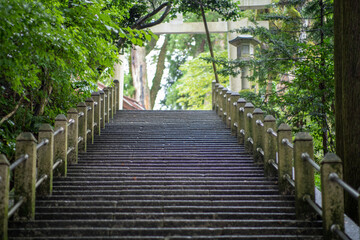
[{"x": 177, "y": 26}]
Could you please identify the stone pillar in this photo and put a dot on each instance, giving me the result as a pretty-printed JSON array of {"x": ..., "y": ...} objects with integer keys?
[
  {"x": 45, "y": 160},
  {"x": 117, "y": 93},
  {"x": 234, "y": 112},
  {"x": 90, "y": 119},
  {"x": 107, "y": 101},
  {"x": 241, "y": 119},
  {"x": 102, "y": 109},
  {"x": 60, "y": 145},
  {"x": 113, "y": 104},
  {"x": 73, "y": 136},
  {"x": 269, "y": 146},
  {"x": 224, "y": 104},
  {"x": 258, "y": 136},
  {"x": 228, "y": 109},
  {"x": 25, "y": 176},
  {"x": 249, "y": 108},
  {"x": 97, "y": 112},
  {"x": 82, "y": 109},
  {"x": 220, "y": 101},
  {"x": 119, "y": 75},
  {"x": 332, "y": 195},
  {"x": 285, "y": 155},
  {"x": 4, "y": 196},
  {"x": 216, "y": 96},
  {"x": 235, "y": 82},
  {"x": 304, "y": 175},
  {"x": 213, "y": 95}
]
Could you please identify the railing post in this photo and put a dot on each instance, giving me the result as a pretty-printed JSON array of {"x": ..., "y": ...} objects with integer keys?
[
  {"x": 228, "y": 109},
  {"x": 107, "y": 101},
  {"x": 73, "y": 136},
  {"x": 224, "y": 104},
  {"x": 45, "y": 160},
  {"x": 304, "y": 175},
  {"x": 285, "y": 156},
  {"x": 82, "y": 109},
  {"x": 233, "y": 112},
  {"x": 270, "y": 146},
  {"x": 249, "y": 108},
  {"x": 90, "y": 119},
  {"x": 4, "y": 196},
  {"x": 117, "y": 95},
  {"x": 102, "y": 109},
  {"x": 216, "y": 96},
  {"x": 60, "y": 146},
  {"x": 220, "y": 101},
  {"x": 240, "y": 119},
  {"x": 332, "y": 195},
  {"x": 258, "y": 136},
  {"x": 97, "y": 112},
  {"x": 213, "y": 95},
  {"x": 25, "y": 175}
]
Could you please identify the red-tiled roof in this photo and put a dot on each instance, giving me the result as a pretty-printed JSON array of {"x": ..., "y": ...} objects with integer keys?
[
  {"x": 128, "y": 103},
  {"x": 131, "y": 104}
]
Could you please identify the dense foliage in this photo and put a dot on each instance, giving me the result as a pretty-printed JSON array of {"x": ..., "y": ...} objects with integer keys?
[
  {"x": 53, "y": 53},
  {"x": 294, "y": 68}
]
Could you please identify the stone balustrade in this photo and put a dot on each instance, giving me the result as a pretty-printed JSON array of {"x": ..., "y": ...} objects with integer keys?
[
  {"x": 274, "y": 149},
  {"x": 38, "y": 160}
]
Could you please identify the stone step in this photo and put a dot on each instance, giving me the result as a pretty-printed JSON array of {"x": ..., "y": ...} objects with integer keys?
[
  {"x": 165, "y": 223},
  {"x": 202, "y": 203},
  {"x": 192, "y": 231},
  {"x": 155, "y": 197},
  {"x": 165, "y": 209}
]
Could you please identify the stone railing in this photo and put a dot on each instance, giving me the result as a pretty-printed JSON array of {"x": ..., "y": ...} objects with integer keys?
[
  {"x": 273, "y": 148},
  {"x": 37, "y": 161}
]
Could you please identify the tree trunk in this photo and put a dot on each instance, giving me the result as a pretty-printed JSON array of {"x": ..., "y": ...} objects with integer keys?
[
  {"x": 44, "y": 93},
  {"x": 139, "y": 76},
  {"x": 209, "y": 42},
  {"x": 350, "y": 102},
  {"x": 160, "y": 66}
]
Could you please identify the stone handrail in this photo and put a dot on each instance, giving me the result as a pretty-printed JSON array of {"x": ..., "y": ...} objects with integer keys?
[
  {"x": 36, "y": 164},
  {"x": 275, "y": 151}
]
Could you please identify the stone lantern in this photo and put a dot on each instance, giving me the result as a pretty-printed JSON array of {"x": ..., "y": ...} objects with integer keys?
[{"x": 245, "y": 45}]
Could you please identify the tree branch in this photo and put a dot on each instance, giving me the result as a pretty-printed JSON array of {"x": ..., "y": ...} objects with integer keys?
[
  {"x": 140, "y": 23},
  {"x": 13, "y": 112}
]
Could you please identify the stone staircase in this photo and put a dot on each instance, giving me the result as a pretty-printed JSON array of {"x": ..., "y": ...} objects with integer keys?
[{"x": 165, "y": 175}]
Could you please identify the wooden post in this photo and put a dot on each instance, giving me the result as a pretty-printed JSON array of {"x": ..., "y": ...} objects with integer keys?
[
  {"x": 73, "y": 136},
  {"x": 60, "y": 145},
  {"x": 332, "y": 195},
  {"x": 107, "y": 101},
  {"x": 270, "y": 146},
  {"x": 25, "y": 176},
  {"x": 285, "y": 155},
  {"x": 117, "y": 95},
  {"x": 233, "y": 112},
  {"x": 82, "y": 109},
  {"x": 228, "y": 109},
  {"x": 4, "y": 196},
  {"x": 102, "y": 108},
  {"x": 90, "y": 119},
  {"x": 240, "y": 119},
  {"x": 258, "y": 136},
  {"x": 248, "y": 109},
  {"x": 97, "y": 112},
  {"x": 304, "y": 175},
  {"x": 45, "y": 160},
  {"x": 213, "y": 90}
]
